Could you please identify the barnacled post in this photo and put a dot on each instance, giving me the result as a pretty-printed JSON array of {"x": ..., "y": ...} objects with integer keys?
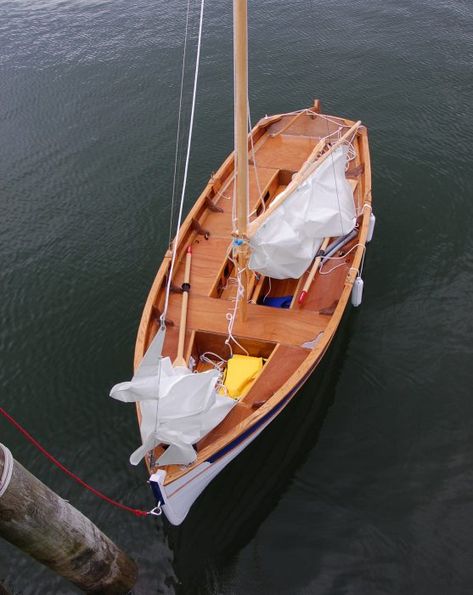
[{"x": 45, "y": 526}]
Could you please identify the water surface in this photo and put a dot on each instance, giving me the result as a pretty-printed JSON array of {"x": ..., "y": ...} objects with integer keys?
[{"x": 379, "y": 501}]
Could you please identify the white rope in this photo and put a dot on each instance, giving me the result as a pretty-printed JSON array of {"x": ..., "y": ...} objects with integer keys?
[
  {"x": 361, "y": 209},
  {"x": 327, "y": 258},
  {"x": 231, "y": 315},
  {"x": 158, "y": 396},
  {"x": 335, "y": 182},
  {"x": 253, "y": 155},
  {"x": 309, "y": 111},
  {"x": 269, "y": 290},
  {"x": 178, "y": 133},
  {"x": 235, "y": 155},
  {"x": 186, "y": 169},
  {"x": 234, "y": 213},
  {"x": 7, "y": 469},
  {"x": 338, "y": 131},
  {"x": 219, "y": 364}
]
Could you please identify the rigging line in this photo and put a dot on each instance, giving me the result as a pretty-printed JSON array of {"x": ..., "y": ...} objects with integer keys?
[
  {"x": 235, "y": 163},
  {"x": 253, "y": 154},
  {"x": 186, "y": 168},
  {"x": 336, "y": 186},
  {"x": 234, "y": 216},
  {"x": 176, "y": 154},
  {"x": 362, "y": 264},
  {"x": 231, "y": 315},
  {"x": 158, "y": 400},
  {"x": 174, "y": 185},
  {"x": 333, "y": 121},
  {"x": 309, "y": 111},
  {"x": 192, "y": 35},
  {"x": 269, "y": 290}
]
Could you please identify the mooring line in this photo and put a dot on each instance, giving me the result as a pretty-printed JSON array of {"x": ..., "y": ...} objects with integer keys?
[{"x": 137, "y": 512}]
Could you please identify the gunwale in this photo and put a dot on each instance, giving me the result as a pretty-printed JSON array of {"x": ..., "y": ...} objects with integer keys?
[{"x": 188, "y": 234}]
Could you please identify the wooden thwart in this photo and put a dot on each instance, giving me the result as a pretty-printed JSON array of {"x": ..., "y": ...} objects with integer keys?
[{"x": 277, "y": 325}]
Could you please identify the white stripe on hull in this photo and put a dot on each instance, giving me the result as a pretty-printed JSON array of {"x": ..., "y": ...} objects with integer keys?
[{"x": 181, "y": 494}]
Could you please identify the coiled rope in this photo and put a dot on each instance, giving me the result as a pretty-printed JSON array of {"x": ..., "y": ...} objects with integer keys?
[{"x": 7, "y": 469}]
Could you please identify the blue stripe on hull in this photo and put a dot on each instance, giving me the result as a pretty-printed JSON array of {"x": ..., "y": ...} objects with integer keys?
[
  {"x": 156, "y": 491},
  {"x": 218, "y": 455}
]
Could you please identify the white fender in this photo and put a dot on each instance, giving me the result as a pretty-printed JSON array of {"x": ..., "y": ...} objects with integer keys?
[
  {"x": 357, "y": 292},
  {"x": 369, "y": 237}
]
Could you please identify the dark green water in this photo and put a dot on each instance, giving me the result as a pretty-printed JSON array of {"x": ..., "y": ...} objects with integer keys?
[{"x": 381, "y": 502}]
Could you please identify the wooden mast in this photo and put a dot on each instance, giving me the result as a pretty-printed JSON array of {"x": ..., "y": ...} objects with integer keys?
[{"x": 240, "y": 51}]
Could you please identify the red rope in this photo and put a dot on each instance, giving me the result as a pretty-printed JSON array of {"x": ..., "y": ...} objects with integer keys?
[{"x": 28, "y": 436}]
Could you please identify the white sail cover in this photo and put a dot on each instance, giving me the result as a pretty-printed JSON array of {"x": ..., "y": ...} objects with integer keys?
[
  {"x": 321, "y": 206},
  {"x": 178, "y": 407}
]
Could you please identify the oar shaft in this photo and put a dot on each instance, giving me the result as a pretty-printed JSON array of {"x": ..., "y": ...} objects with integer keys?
[
  {"x": 313, "y": 271},
  {"x": 180, "y": 361}
]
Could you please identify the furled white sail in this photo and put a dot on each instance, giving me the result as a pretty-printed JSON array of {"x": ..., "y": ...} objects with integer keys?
[
  {"x": 177, "y": 407},
  {"x": 321, "y": 206}
]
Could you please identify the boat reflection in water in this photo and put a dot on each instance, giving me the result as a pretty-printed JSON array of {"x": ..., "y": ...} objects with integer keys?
[{"x": 244, "y": 494}]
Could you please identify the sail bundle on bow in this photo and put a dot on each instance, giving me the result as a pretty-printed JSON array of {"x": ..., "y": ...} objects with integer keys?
[
  {"x": 321, "y": 206},
  {"x": 177, "y": 407}
]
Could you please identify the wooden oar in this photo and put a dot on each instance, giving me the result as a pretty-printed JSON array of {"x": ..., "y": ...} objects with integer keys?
[
  {"x": 180, "y": 361},
  {"x": 313, "y": 271}
]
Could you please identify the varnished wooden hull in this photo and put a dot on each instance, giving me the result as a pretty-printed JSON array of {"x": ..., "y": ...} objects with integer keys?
[
  {"x": 294, "y": 340},
  {"x": 177, "y": 497}
]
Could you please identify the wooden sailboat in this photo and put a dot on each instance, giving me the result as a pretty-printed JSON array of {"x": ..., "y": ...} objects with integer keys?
[{"x": 213, "y": 306}]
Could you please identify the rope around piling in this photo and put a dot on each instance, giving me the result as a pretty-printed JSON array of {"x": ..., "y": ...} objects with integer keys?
[
  {"x": 7, "y": 469},
  {"x": 50, "y": 457}
]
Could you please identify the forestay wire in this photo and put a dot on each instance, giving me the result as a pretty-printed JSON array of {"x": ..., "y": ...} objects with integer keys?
[
  {"x": 186, "y": 168},
  {"x": 178, "y": 132}
]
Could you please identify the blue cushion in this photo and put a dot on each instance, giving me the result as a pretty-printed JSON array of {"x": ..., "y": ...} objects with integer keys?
[{"x": 278, "y": 302}]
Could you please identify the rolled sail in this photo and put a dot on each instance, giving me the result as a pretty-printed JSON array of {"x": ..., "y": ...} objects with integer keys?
[
  {"x": 178, "y": 407},
  {"x": 321, "y": 206}
]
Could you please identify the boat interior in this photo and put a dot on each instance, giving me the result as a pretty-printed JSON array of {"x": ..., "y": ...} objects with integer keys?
[{"x": 283, "y": 337}]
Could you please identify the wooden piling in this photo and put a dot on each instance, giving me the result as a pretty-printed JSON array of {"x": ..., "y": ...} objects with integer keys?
[{"x": 45, "y": 526}]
